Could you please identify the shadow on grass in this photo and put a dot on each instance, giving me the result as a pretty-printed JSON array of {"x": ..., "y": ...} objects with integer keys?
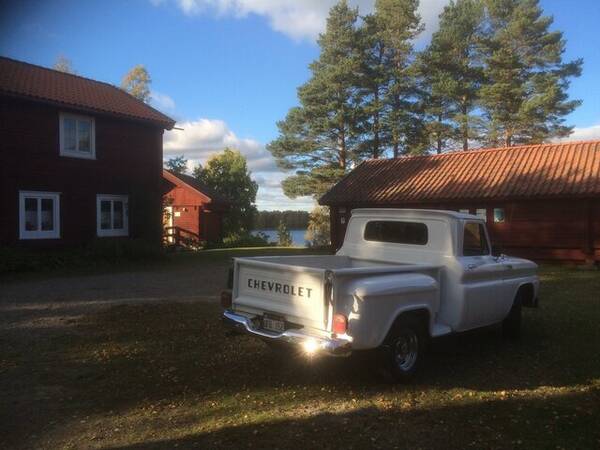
[{"x": 566, "y": 421}]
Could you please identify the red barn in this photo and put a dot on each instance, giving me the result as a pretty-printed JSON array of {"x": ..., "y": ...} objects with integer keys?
[
  {"x": 540, "y": 201},
  {"x": 192, "y": 211},
  {"x": 79, "y": 160}
]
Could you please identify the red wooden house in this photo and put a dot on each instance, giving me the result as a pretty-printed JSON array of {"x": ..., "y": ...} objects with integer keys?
[
  {"x": 79, "y": 159},
  {"x": 540, "y": 201},
  {"x": 192, "y": 211}
]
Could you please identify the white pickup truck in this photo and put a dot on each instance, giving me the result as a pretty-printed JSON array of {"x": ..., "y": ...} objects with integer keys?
[{"x": 401, "y": 277}]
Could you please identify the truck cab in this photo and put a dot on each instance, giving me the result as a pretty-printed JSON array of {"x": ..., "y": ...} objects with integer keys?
[{"x": 401, "y": 277}]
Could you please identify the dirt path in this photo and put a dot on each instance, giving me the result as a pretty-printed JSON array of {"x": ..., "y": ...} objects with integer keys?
[{"x": 48, "y": 300}]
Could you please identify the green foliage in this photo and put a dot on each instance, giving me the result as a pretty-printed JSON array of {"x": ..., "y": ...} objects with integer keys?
[
  {"x": 270, "y": 219},
  {"x": 284, "y": 237},
  {"x": 525, "y": 97},
  {"x": 318, "y": 232},
  {"x": 452, "y": 75},
  {"x": 177, "y": 164},
  {"x": 137, "y": 83},
  {"x": 319, "y": 138},
  {"x": 242, "y": 239},
  {"x": 227, "y": 174}
]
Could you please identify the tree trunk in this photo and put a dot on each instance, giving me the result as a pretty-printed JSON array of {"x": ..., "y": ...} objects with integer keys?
[{"x": 465, "y": 125}]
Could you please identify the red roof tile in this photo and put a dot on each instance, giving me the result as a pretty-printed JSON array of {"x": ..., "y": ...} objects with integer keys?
[
  {"x": 20, "y": 79},
  {"x": 570, "y": 169}
]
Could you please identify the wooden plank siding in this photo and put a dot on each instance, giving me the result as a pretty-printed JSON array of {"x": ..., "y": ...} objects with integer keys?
[{"x": 128, "y": 162}]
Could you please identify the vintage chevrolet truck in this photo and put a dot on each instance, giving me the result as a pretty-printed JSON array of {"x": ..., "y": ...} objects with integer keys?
[{"x": 400, "y": 278}]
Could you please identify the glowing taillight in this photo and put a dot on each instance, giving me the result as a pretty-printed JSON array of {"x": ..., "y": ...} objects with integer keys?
[
  {"x": 340, "y": 324},
  {"x": 226, "y": 299}
]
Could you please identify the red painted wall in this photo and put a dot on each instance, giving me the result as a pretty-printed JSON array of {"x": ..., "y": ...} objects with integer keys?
[
  {"x": 128, "y": 162},
  {"x": 560, "y": 229},
  {"x": 194, "y": 213}
]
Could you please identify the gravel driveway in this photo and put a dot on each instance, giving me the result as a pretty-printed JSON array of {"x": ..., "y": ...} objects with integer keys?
[{"x": 44, "y": 300}]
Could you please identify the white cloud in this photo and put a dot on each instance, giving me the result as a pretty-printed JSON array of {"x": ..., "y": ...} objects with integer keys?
[
  {"x": 584, "y": 134},
  {"x": 298, "y": 19},
  {"x": 202, "y": 138},
  {"x": 161, "y": 101}
]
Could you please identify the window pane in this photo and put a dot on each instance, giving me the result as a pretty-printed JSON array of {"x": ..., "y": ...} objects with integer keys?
[
  {"x": 69, "y": 133},
  {"x": 118, "y": 214},
  {"x": 482, "y": 213},
  {"x": 474, "y": 242},
  {"x": 397, "y": 232},
  {"x": 499, "y": 215},
  {"x": 31, "y": 215},
  {"x": 105, "y": 215},
  {"x": 84, "y": 135},
  {"x": 47, "y": 214}
]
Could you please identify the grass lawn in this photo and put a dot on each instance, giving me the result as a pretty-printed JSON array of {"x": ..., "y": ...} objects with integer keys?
[{"x": 165, "y": 375}]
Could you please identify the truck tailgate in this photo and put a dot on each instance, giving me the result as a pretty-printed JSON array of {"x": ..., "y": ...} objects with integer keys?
[{"x": 296, "y": 293}]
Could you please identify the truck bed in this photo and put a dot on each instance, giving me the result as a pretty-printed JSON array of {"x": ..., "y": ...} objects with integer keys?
[{"x": 328, "y": 262}]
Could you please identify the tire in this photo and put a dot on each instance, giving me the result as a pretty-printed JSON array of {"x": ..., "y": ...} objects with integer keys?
[
  {"x": 405, "y": 349},
  {"x": 511, "y": 325}
]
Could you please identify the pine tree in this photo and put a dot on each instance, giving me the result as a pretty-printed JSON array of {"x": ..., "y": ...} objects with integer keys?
[
  {"x": 398, "y": 24},
  {"x": 452, "y": 75},
  {"x": 319, "y": 138},
  {"x": 525, "y": 99}
]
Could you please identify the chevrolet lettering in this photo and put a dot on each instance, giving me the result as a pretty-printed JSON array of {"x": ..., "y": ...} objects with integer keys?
[
  {"x": 401, "y": 278},
  {"x": 279, "y": 288}
]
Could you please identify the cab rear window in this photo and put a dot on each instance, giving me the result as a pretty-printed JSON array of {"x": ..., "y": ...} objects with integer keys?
[{"x": 413, "y": 233}]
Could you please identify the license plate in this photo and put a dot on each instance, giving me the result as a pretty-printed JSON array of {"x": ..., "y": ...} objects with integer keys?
[{"x": 273, "y": 324}]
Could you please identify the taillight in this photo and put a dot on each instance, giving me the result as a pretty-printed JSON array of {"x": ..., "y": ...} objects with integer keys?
[
  {"x": 340, "y": 324},
  {"x": 226, "y": 299}
]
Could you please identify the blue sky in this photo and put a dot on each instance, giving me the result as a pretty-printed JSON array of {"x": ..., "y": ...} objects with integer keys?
[{"x": 227, "y": 70}]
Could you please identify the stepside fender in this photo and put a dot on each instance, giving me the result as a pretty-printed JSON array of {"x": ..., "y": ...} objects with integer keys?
[{"x": 374, "y": 303}]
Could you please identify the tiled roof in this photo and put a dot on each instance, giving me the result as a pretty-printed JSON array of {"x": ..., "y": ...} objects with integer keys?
[
  {"x": 214, "y": 197},
  {"x": 569, "y": 169},
  {"x": 20, "y": 79}
]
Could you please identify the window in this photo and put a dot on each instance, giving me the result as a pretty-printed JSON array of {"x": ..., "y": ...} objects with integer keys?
[
  {"x": 464, "y": 211},
  {"x": 412, "y": 233},
  {"x": 39, "y": 216},
  {"x": 499, "y": 215},
  {"x": 481, "y": 213},
  {"x": 77, "y": 136},
  {"x": 112, "y": 215},
  {"x": 474, "y": 240}
]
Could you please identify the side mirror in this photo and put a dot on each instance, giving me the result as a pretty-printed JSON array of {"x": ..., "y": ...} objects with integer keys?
[{"x": 497, "y": 250}]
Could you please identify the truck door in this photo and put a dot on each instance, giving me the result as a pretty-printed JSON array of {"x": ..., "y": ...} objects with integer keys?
[{"x": 483, "y": 276}]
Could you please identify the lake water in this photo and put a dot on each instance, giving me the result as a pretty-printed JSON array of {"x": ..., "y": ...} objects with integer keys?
[{"x": 297, "y": 236}]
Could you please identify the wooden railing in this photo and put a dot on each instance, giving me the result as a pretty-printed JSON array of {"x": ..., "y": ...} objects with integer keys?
[{"x": 181, "y": 238}]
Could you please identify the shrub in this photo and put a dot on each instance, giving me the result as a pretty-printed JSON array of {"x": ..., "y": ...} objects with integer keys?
[
  {"x": 318, "y": 233},
  {"x": 242, "y": 239}
]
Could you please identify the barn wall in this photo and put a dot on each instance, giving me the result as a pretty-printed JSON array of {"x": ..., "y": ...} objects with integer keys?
[
  {"x": 128, "y": 162},
  {"x": 564, "y": 230}
]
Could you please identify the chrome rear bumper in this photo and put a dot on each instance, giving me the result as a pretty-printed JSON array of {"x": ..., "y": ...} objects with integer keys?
[{"x": 331, "y": 346}]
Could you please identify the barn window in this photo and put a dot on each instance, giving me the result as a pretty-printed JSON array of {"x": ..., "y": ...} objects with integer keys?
[
  {"x": 112, "y": 215},
  {"x": 499, "y": 216},
  {"x": 464, "y": 211},
  {"x": 474, "y": 240},
  {"x": 39, "y": 215},
  {"x": 481, "y": 213},
  {"x": 396, "y": 232},
  {"x": 77, "y": 136}
]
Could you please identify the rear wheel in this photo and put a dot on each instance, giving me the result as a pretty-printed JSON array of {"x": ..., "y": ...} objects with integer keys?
[
  {"x": 405, "y": 349},
  {"x": 511, "y": 326}
]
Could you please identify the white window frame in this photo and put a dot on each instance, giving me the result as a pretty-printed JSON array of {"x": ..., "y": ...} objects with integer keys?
[
  {"x": 481, "y": 213},
  {"x": 39, "y": 233},
  {"x": 77, "y": 153},
  {"x": 112, "y": 232}
]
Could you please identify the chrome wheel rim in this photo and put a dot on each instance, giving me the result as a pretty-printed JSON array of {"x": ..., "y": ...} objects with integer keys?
[{"x": 406, "y": 350}]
